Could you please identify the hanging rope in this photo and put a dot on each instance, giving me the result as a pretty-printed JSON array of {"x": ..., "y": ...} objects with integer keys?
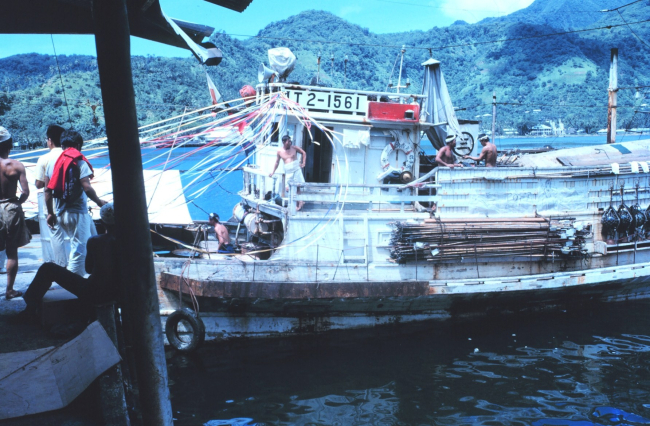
[{"x": 56, "y": 58}]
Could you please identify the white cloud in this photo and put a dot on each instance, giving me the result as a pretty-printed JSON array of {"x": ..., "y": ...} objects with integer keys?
[
  {"x": 475, "y": 10},
  {"x": 350, "y": 10}
]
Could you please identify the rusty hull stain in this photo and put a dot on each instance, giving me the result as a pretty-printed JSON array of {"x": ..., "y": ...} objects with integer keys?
[{"x": 281, "y": 290}]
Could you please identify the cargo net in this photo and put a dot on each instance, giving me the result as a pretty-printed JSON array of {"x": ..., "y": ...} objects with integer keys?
[{"x": 527, "y": 239}]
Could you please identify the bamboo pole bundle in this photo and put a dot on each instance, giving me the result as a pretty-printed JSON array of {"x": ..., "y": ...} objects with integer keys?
[{"x": 455, "y": 239}]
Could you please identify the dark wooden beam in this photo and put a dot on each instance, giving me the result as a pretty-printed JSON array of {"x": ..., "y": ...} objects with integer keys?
[
  {"x": 236, "y": 5},
  {"x": 67, "y": 17},
  {"x": 140, "y": 307}
]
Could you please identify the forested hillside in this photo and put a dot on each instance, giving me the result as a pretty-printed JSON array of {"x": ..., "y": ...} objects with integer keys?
[{"x": 536, "y": 78}]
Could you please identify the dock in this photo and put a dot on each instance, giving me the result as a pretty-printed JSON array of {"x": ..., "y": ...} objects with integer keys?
[{"x": 24, "y": 338}]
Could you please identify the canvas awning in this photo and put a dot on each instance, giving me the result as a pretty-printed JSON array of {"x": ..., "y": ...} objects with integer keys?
[
  {"x": 165, "y": 199},
  {"x": 437, "y": 107}
]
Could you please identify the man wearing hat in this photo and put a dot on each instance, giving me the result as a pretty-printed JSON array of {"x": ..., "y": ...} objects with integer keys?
[
  {"x": 488, "y": 153},
  {"x": 13, "y": 230},
  {"x": 101, "y": 264},
  {"x": 445, "y": 156},
  {"x": 222, "y": 234}
]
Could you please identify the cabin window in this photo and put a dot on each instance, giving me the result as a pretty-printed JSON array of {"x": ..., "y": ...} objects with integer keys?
[
  {"x": 318, "y": 148},
  {"x": 275, "y": 134}
]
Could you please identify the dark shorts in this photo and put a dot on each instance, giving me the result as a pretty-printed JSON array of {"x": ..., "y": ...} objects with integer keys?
[
  {"x": 227, "y": 248},
  {"x": 13, "y": 229}
]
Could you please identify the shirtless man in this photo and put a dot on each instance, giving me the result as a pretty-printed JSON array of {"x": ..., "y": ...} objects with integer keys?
[
  {"x": 292, "y": 169},
  {"x": 445, "y": 156},
  {"x": 13, "y": 230},
  {"x": 488, "y": 153},
  {"x": 222, "y": 234}
]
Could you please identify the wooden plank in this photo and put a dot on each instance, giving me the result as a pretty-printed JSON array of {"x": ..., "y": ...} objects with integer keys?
[
  {"x": 487, "y": 220},
  {"x": 282, "y": 290},
  {"x": 48, "y": 379}
]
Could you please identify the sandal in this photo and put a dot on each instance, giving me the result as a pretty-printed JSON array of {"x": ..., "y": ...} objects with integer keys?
[{"x": 13, "y": 294}]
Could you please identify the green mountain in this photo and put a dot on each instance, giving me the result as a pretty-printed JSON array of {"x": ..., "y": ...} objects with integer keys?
[
  {"x": 536, "y": 78},
  {"x": 561, "y": 14}
]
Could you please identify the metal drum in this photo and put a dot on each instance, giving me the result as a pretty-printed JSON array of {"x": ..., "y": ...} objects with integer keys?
[{"x": 251, "y": 223}]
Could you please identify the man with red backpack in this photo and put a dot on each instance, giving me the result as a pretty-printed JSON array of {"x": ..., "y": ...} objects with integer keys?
[{"x": 69, "y": 187}]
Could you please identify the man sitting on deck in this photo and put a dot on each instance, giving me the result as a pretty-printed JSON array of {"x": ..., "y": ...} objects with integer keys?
[
  {"x": 445, "y": 156},
  {"x": 101, "y": 264},
  {"x": 222, "y": 234},
  {"x": 488, "y": 153},
  {"x": 292, "y": 167}
]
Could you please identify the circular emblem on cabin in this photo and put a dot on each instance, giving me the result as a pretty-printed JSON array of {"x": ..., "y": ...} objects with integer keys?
[{"x": 388, "y": 162}]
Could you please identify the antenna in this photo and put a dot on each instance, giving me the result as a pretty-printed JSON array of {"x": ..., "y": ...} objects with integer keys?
[
  {"x": 401, "y": 62},
  {"x": 399, "y": 78},
  {"x": 318, "y": 72},
  {"x": 345, "y": 70}
]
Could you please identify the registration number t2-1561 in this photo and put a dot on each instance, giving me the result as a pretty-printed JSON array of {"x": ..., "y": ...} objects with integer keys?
[{"x": 329, "y": 101}]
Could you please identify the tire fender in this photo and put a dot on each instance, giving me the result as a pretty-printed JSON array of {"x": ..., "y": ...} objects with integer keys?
[{"x": 196, "y": 326}]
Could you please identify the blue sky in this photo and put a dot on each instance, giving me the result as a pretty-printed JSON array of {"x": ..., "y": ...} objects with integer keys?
[{"x": 380, "y": 16}]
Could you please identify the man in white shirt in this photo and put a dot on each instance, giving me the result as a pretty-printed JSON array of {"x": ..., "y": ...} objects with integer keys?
[
  {"x": 56, "y": 251},
  {"x": 72, "y": 215}
]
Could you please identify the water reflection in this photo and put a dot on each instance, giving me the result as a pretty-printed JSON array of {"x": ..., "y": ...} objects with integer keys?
[{"x": 570, "y": 369}]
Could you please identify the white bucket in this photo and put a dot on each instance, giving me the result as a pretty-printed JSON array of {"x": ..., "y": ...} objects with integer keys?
[{"x": 239, "y": 212}]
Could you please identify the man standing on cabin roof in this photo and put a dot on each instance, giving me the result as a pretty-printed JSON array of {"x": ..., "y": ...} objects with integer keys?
[
  {"x": 13, "y": 230},
  {"x": 445, "y": 156},
  {"x": 488, "y": 153},
  {"x": 69, "y": 184},
  {"x": 57, "y": 238},
  {"x": 222, "y": 234},
  {"x": 292, "y": 167}
]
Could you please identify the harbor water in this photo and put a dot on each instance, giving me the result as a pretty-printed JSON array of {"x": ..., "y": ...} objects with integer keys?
[{"x": 588, "y": 367}]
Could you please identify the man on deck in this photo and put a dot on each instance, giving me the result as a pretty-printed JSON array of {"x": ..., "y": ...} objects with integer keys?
[
  {"x": 445, "y": 156},
  {"x": 69, "y": 184},
  {"x": 222, "y": 234},
  {"x": 57, "y": 238},
  {"x": 488, "y": 153},
  {"x": 292, "y": 167},
  {"x": 13, "y": 230}
]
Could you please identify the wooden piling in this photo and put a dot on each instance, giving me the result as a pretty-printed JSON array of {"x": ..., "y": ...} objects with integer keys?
[
  {"x": 111, "y": 385},
  {"x": 140, "y": 309},
  {"x": 612, "y": 90}
]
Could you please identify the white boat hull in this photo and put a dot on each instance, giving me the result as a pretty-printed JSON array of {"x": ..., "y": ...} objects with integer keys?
[{"x": 267, "y": 309}]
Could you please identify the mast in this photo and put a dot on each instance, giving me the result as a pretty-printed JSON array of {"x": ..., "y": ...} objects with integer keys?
[
  {"x": 494, "y": 113},
  {"x": 613, "y": 88}
]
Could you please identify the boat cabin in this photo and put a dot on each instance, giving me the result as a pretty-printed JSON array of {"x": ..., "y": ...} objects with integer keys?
[{"x": 362, "y": 149}]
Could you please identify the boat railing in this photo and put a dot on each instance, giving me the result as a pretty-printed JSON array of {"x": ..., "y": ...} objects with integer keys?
[
  {"x": 371, "y": 195},
  {"x": 257, "y": 184}
]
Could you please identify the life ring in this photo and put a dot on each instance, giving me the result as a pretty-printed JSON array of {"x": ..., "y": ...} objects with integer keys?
[
  {"x": 192, "y": 335},
  {"x": 400, "y": 143}
]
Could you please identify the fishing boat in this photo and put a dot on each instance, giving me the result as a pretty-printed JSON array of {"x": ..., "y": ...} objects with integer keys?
[{"x": 379, "y": 234}]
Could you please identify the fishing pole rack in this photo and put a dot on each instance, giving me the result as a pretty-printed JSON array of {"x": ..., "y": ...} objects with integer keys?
[{"x": 476, "y": 240}]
